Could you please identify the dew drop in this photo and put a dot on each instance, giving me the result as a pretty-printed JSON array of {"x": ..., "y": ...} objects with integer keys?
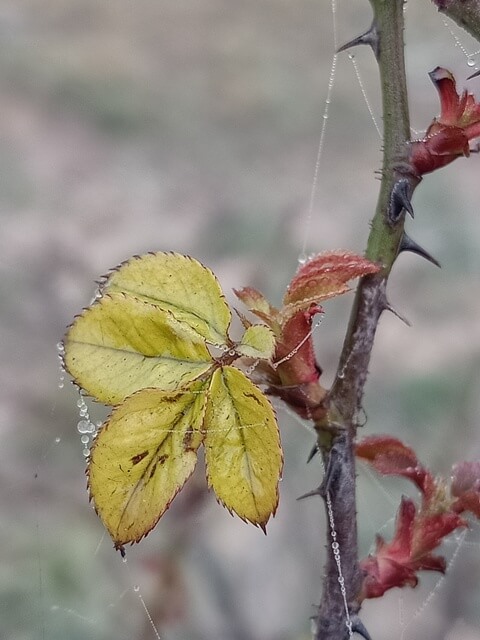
[
  {"x": 471, "y": 62},
  {"x": 57, "y": 439},
  {"x": 60, "y": 347},
  {"x": 61, "y": 384},
  {"x": 231, "y": 352},
  {"x": 98, "y": 424},
  {"x": 124, "y": 559},
  {"x": 83, "y": 426},
  {"x": 80, "y": 403},
  {"x": 83, "y": 411},
  {"x": 136, "y": 588},
  {"x": 86, "y": 452},
  {"x": 85, "y": 439},
  {"x": 302, "y": 258}
]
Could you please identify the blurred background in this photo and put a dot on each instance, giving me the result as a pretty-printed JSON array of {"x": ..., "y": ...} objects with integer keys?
[{"x": 193, "y": 126}]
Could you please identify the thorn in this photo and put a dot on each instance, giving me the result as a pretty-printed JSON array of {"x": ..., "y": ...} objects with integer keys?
[
  {"x": 359, "y": 627},
  {"x": 310, "y": 494},
  {"x": 400, "y": 200},
  {"x": 407, "y": 244},
  {"x": 370, "y": 38},
  {"x": 474, "y": 75},
  {"x": 313, "y": 453},
  {"x": 388, "y": 307}
]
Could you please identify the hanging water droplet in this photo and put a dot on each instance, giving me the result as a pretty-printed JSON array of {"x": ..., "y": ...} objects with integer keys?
[
  {"x": 124, "y": 558},
  {"x": 60, "y": 347},
  {"x": 302, "y": 258},
  {"x": 57, "y": 439},
  {"x": 80, "y": 402},
  {"x": 83, "y": 426},
  {"x": 136, "y": 588},
  {"x": 231, "y": 352},
  {"x": 351, "y": 56},
  {"x": 86, "y": 452},
  {"x": 471, "y": 62},
  {"x": 83, "y": 411},
  {"x": 98, "y": 424},
  {"x": 85, "y": 439},
  {"x": 61, "y": 384}
]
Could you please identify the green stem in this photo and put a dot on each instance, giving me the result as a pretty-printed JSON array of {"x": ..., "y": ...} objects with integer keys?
[
  {"x": 370, "y": 301},
  {"x": 385, "y": 235}
]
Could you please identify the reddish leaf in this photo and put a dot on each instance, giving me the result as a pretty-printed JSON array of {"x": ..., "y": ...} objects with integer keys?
[
  {"x": 470, "y": 501},
  {"x": 390, "y": 456},
  {"x": 431, "y": 529},
  {"x": 382, "y": 574},
  {"x": 448, "y": 136},
  {"x": 325, "y": 276},
  {"x": 390, "y": 566},
  {"x": 466, "y": 487},
  {"x": 465, "y": 477},
  {"x": 417, "y": 534},
  {"x": 296, "y": 367},
  {"x": 295, "y": 355}
]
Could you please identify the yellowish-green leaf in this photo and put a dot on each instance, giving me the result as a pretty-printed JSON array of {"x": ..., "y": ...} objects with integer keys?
[
  {"x": 242, "y": 447},
  {"x": 142, "y": 457},
  {"x": 180, "y": 284},
  {"x": 121, "y": 344},
  {"x": 258, "y": 341},
  {"x": 260, "y": 306}
]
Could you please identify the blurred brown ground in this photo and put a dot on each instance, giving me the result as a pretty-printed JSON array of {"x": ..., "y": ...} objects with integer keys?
[{"x": 193, "y": 126}]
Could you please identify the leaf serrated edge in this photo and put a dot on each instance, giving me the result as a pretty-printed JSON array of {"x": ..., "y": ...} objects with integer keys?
[
  {"x": 232, "y": 512},
  {"x": 103, "y": 282},
  {"x": 120, "y": 545}
]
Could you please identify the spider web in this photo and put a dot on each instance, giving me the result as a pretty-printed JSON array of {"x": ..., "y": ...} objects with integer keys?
[{"x": 101, "y": 614}]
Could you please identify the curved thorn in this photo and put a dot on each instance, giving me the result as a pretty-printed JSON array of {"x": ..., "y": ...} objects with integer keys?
[
  {"x": 310, "y": 494},
  {"x": 359, "y": 627},
  {"x": 388, "y": 307},
  {"x": 400, "y": 200},
  {"x": 313, "y": 453},
  {"x": 370, "y": 38},
  {"x": 474, "y": 75},
  {"x": 407, "y": 244}
]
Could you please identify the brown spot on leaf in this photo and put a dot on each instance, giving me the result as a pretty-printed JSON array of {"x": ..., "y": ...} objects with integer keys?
[
  {"x": 139, "y": 457},
  {"x": 253, "y": 397},
  {"x": 187, "y": 440}
]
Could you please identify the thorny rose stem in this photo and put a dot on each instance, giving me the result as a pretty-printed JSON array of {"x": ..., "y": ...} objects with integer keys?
[{"x": 386, "y": 240}]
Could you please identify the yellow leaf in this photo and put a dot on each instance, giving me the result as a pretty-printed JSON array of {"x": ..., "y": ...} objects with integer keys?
[
  {"x": 242, "y": 447},
  {"x": 180, "y": 284},
  {"x": 121, "y": 344},
  {"x": 142, "y": 457},
  {"x": 258, "y": 341}
]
